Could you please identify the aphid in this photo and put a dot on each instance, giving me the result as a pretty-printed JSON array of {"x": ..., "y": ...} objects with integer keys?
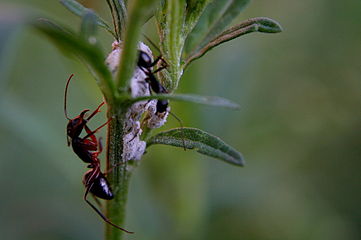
[{"x": 88, "y": 148}]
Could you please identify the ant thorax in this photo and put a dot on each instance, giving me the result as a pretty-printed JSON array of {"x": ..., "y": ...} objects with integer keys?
[{"x": 133, "y": 147}]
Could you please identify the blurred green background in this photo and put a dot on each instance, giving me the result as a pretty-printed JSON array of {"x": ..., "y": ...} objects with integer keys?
[{"x": 299, "y": 129}]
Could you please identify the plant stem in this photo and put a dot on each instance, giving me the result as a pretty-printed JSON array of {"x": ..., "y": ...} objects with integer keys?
[{"x": 119, "y": 175}]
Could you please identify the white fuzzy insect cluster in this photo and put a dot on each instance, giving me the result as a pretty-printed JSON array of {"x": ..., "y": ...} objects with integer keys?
[
  {"x": 156, "y": 119},
  {"x": 133, "y": 147}
]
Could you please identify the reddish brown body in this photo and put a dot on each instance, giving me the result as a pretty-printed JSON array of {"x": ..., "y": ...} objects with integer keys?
[{"x": 88, "y": 148}]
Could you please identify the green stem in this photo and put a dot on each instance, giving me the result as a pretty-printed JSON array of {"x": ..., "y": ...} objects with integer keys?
[{"x": 119, "y": 175}]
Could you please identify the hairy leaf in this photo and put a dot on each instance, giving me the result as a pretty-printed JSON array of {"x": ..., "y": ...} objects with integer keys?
[
  {"x": 175, "y": 20},
  {"x": 261, "y": 24},
  {"x": 194, "y": 10},
  {"x": 79, "y": 10},
  {"x": 216, "y": 17},
  {"x": 119, "y": 15},
  {"x": 206, "y": 100},
  {"x": 203, "y": 142},
  {"x": 170, "y": 23}
]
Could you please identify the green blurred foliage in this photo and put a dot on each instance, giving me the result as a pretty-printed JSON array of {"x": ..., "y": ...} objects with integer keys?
[{"x": 298, "y": 128}]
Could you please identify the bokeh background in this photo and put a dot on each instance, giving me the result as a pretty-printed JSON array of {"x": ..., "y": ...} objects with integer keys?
[{"x": 299, "y": 129}]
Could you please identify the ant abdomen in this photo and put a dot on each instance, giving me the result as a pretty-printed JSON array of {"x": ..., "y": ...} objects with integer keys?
[{"x": 99, "y": 186}]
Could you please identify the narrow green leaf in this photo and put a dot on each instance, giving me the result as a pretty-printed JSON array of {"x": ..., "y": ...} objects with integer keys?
[
  {"x": 70, "y": 43},
  {"x": 170, "y": 23},
  {"x": 261, "y": 24},
  {"x": 175, "y": 20},
  {"x": 216, "y": 17},
  {"x": 138, "y": 11},
  {"x": 203, "y": 142},
  {"x": 79, "y": 10},
  {"x": 194, "y": 10},
  {"x": 122, "y": 13},
  {"x": 206, "y": 100},
  {"x": 119, "y": 15},
  {"x": 88, "y": 27}
]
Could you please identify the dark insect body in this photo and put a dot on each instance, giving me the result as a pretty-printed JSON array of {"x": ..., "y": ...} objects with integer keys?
[
  {"x": 145, "y": 64},
  {"x": 88, "y": 148}
]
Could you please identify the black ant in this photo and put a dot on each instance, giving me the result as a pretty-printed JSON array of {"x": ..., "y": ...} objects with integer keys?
[
  {"x": 145, "y": 64},
  {"x": 88, "y": 148}
]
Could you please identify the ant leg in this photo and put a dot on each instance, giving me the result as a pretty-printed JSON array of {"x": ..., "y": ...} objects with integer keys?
[
  {"x": 112, "y": 168},
  {"x": 99, "y": 212},
  {"x": 159, "y": 58},
  {"x": 181, "y": 124},
  {"x": 163, "y": 66},
  {"x": 95, "y": 111},
  {"x": 97, "y": 201},
  {"x": 164, "y": 62},
  {"x": 92, "y": 132},
  {"x": 160, "y": 69},
  {"x": 134, "y": 136},
  {"x": 96, "y": 154},
  {"x": 92, "y": 136},
  {"x": 94, "y": 174},
  {"x": 156, "y": 61}
]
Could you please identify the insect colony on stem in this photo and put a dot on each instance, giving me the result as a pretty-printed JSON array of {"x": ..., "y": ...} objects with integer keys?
[{"x": 87, "y": 148}]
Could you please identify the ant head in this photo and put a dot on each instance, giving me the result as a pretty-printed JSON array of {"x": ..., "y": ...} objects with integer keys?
[
  {"x": 76, "y": 125},
  {"x": 162, "y": 106},
  {"x": 144, "y": 60}
]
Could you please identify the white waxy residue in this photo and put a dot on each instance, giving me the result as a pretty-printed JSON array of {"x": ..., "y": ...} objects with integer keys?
[{"x": 156, "y": 119}]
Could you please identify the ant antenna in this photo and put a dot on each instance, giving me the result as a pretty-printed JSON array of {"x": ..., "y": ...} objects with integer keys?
[
  {"x": 66, "y": 94},
  {"x": 100, "y": 213},
  {"x": 95, "y": 111},
  {"x": 151, "y": 42},
  {"x": 181, "y": 124}
]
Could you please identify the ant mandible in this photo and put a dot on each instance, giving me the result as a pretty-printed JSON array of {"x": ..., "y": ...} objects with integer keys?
[{"x": 88, "y": 148}]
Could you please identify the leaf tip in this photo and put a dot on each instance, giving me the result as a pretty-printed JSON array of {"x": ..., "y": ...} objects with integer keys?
[
  {"x": 268, "y": 25},
  {"x": 239, "y": 161},
  {"x": 236, "y": 107}
]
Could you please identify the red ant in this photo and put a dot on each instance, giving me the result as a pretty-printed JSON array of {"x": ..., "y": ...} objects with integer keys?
[{"x": 88, "y": 148}]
